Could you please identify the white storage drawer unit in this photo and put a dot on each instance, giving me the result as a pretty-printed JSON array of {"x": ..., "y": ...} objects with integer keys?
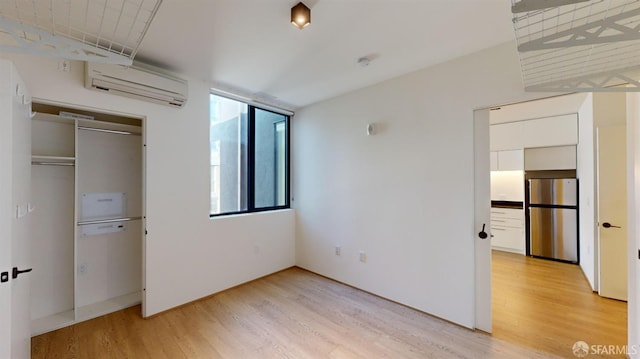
[{"x": 507, "y": 228}]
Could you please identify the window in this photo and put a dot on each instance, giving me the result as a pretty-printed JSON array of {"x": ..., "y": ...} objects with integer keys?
[{"x": 249, "y": 158}]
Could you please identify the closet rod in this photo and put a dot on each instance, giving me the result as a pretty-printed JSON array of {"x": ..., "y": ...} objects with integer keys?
[
  {"x": 112, "y": 220},
  {"x": 108, "y": 131},
  {"x": 52, "y": 163}
]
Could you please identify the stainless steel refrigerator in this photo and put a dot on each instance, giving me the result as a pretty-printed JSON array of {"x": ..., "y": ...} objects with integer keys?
[{"x": 553, "y": 218}]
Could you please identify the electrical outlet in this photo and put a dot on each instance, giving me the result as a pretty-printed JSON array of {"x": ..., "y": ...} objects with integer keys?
[
  {"x": 338, "y": 250},
  {"x": 363, "y": 257},
  {"x": 82, "y": 268}
]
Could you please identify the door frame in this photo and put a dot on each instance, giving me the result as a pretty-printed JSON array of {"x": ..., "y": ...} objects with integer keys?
[
  {"x": 633, "y": 210},
  {"x": 481, "y": 134},
  {"x": 482, "y": 208}
]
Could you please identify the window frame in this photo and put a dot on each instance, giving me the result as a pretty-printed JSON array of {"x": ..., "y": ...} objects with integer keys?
[{"x": 251, "y": 173}]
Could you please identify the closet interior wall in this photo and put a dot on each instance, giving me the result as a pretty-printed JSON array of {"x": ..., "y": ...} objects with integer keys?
[{"x": 87, "y": 222}]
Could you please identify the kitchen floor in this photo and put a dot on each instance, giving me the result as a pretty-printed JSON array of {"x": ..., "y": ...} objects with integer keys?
[{"x": 548, "y": 306}]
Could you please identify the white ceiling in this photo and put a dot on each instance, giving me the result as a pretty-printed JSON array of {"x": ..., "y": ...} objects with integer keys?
[{"x": 251, "y": 47}]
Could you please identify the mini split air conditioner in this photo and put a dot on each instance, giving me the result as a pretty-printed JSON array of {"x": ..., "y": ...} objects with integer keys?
[{"x": 136, "y": 81}]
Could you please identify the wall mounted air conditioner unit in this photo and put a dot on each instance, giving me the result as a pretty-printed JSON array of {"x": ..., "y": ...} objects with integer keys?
[{"x": 136, "y": 81}]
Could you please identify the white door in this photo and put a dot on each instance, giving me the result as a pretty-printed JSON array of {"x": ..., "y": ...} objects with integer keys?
[
  {"x": 612, "y": 211},
  {"x": 5, "y": 226},
  {"x": 481, "y": 230},
  {"x": 15, "y": 126}
]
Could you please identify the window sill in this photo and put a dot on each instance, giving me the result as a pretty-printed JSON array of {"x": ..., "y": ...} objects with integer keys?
[{"x": 245, "y": 214}]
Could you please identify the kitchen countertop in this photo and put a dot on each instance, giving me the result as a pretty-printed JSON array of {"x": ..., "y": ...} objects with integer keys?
[{"x": 507, "y": 204}]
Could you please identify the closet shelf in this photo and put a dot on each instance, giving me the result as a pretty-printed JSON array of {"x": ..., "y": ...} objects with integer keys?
[
  {"x": 109, "y": 220},
  {"x": 39, "y": 116}
]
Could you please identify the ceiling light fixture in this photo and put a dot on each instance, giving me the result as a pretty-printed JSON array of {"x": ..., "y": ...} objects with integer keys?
[{"x": 300, "y": 16}]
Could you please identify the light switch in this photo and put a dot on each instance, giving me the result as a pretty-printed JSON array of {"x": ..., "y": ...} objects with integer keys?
[{"x": 21, "y": 211}]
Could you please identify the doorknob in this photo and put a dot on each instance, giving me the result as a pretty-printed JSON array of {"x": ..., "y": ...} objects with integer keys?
[
  {"x": 16, "y": 272},
  {"x": 483, "y": 234},
  {"x": 609, "y": 225}
]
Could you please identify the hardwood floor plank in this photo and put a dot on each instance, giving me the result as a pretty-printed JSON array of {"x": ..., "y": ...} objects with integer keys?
[
  {"x": 548, "y": 306},
  {"x": 297, "y": 314}
]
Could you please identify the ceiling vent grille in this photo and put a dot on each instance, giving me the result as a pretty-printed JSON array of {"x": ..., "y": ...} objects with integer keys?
[
  {"x": 578, "y": 45},
  {"x": 108, "y": 31}
]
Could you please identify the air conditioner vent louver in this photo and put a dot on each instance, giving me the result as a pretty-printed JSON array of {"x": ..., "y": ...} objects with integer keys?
[{"x": 137, "y": 82}]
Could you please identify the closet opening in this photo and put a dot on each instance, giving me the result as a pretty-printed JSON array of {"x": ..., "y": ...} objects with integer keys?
[{"x": 88, "y": 214}]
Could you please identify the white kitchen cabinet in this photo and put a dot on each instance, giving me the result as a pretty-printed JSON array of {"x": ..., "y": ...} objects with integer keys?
[
  {"x": 512, "y": 160},
  {"x": 493, "y": 160},
  {"x": 551, "y": 131},
  {"x": 551, "y": 158},
  {"x": 540, "y": 132},
  {"x": 506, "y": 136},
  {"x": 507, "y": 230}
]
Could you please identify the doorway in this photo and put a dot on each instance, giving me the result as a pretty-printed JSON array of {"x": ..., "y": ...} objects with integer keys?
[{"x": 592, "y": 239}]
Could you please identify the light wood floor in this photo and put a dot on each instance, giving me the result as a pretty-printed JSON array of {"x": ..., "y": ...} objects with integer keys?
[
  {"x": 291, "y": 314},
  {"x": 549, "y": 306},
  {"x": 296, "y": 314}
]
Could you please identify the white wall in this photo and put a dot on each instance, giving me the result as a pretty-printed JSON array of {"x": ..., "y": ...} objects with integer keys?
[
  {"x": 405, "y": 195},
  {"x": 609, "y": 108},
  {"x": 633, "y": 190},
  {"x": 188, "y": 255},
  {"x": 586, "y": 175}
]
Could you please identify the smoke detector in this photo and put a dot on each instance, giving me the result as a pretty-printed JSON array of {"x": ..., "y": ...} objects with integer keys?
[{"x": 363, "y": 61}]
